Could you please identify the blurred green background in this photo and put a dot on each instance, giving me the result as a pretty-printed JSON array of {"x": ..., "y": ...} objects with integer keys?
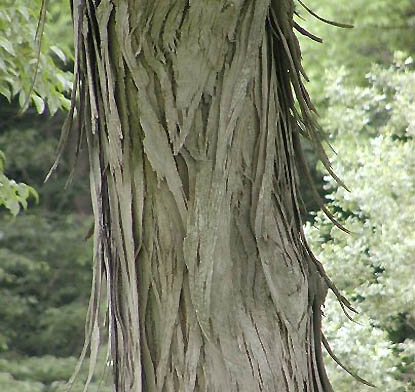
[{"x": 362, "y": 81}]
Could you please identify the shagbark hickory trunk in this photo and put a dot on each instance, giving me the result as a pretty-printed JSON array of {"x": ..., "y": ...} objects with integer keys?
[{"x": 188, "y": 108}]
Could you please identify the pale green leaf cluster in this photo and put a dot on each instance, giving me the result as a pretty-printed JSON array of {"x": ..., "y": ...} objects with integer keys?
[
  {"x": 23, "y": 56},
  {"x": 13, "y": 195},
  {"x": 32, "y": 71},
  {"x": 373, "y": 127}
]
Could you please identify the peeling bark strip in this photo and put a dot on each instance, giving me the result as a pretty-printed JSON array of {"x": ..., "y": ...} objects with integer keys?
[{"x": 189, "y": 111}]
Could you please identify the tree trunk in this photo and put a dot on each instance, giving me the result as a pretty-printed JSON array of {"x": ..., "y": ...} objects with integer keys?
[{"x": 192, "y": 131}]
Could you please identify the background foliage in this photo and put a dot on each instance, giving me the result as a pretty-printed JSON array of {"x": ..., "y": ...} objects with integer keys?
[
  {"x": 45, "y": 264},
  {"x": 22, "y": 57},
  {"x": 364, "y": 90},
  {"x": 374, "y": 266},
  {"x": 20, "y": 52},
  {"x": 381, "y": 27},
  {"x": 363, "y": 82}
]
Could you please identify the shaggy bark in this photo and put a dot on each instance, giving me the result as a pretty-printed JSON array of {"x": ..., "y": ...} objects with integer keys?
[{"x": 188, "y": 108}]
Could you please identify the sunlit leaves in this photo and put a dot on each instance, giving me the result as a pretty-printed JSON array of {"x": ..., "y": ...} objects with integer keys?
[
  {"x": 13, "y": 196},
  {"x": 19, "y": 55},
  {"x": 372, "y": 127},
  {"x": 32, "y": 71}
]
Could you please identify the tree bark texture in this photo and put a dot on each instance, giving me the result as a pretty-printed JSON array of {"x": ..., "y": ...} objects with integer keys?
[{"x": 188, "y": 107}]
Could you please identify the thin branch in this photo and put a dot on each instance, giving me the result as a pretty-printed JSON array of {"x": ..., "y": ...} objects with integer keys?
[{"x": 38, "y": 40}]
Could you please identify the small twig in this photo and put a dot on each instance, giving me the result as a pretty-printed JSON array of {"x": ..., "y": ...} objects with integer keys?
[{"x": 38, "y": 39}]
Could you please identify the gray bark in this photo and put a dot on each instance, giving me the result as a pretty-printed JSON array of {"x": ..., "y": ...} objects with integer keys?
[{"x": 189, "y": 112}]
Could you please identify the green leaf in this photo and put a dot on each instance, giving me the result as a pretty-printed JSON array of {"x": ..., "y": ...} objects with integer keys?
[
  {"x": 22, "y": 98},
  {"x": 7, "y": 46},
  {"x": 39, "y": 103},
  {"x": 5, "y": 91},
  {"x": 65, "y": 102},
  {"x": 2, "y": 161},
  {"x": 58, "y": 53}
]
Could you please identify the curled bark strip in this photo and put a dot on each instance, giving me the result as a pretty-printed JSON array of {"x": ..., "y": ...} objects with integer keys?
[
  {"x": 353, "y": 374},
  {"x": 337, "y": 24},
  {"x": 306, "y": 33}
]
